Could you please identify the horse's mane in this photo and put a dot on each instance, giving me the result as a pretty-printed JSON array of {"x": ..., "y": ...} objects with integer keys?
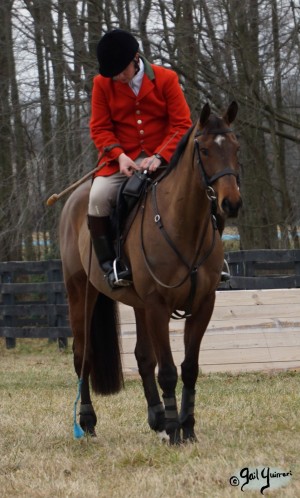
[{"x": 179, "y": 149}]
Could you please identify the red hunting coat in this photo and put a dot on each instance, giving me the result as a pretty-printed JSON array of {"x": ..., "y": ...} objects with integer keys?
[{"x": 143, "y": 122}]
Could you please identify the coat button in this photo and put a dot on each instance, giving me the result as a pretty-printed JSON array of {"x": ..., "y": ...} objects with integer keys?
[
  {"x": 139, "y": 121},
  {"x": 138, "y": 111},
  {"x": 142, "y": 132}
]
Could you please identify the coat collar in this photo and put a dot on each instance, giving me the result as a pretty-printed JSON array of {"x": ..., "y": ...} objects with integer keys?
[{"x": 148, "y": 68}]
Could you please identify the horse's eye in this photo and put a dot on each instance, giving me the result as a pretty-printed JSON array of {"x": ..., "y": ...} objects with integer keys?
[{"x": 204, "y": 151}]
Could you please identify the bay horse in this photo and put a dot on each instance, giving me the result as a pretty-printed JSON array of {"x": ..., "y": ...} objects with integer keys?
[{"x": 175, "y": 251}]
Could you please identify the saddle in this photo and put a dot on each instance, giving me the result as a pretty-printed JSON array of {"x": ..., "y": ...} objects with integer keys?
[{"x": 129, "y": 197}]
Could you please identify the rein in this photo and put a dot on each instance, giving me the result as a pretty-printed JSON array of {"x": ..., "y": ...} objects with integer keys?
[
  {"x": 192, "y": 268},
  {"x": 158, "y": 220}
]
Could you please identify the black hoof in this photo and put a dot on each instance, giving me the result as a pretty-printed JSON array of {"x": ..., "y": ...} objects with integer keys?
[
  {"x": 90, "y": 431},
  {"x": 156, "y": 418},
  {"x": 88, "y": 419},
  {"x": 175, "y": 438},
  {"x": 188, "y": 435}
]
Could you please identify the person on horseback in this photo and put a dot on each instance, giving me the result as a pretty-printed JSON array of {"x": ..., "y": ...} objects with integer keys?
[{"x": 139, "y": 113}]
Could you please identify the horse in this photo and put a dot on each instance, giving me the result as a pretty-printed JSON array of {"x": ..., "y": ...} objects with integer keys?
[{"x": 175, "y": 251}]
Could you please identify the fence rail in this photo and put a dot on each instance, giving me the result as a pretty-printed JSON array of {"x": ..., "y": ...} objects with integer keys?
[
  {"x": 264, "y": 269},
  {"x": 33, "y": 300}
]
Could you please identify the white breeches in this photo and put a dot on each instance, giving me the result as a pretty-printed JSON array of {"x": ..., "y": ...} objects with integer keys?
[
  {"x": 103, "y": 194},
  {"x": 104, "y": 190}
]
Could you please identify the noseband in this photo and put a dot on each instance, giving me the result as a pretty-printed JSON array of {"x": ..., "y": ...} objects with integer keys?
[{"x": 209, "y": 181}]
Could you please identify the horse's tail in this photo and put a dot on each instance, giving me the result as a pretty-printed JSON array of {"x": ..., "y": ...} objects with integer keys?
[{"x": 106, "y": 367}]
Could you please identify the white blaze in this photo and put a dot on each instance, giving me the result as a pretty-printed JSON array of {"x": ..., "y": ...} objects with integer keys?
[{"x": 219, "y": 139}]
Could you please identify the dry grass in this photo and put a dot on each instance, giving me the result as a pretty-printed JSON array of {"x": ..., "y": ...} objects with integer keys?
[{"x": 242, "y": 421}]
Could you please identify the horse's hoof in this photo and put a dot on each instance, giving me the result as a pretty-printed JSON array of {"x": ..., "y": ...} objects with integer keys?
[
  {"x": 175, "y": 438},
  {"x": 156, "y": 418},
  {"x": 91, "y": 433},
  {"x": 188, "y": 434},
  {"x": 93, "y": 437},
  {"x": 189, "y": 437},
  {"x": 163, "y": 437}
]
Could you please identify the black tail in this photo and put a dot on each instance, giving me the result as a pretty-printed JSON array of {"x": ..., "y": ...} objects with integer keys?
[{"x": 106, "y": 367}]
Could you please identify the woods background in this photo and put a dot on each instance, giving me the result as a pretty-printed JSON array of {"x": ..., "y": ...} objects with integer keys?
[{"x": 221, "y": 49}]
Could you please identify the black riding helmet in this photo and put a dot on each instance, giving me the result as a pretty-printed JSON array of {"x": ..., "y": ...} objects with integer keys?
[{"x": 115, "y": 51}]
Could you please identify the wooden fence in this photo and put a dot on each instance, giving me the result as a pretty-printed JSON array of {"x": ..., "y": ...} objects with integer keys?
[
  {"x": 264, "y": 269},
  {"x": 33, "y": 301}
]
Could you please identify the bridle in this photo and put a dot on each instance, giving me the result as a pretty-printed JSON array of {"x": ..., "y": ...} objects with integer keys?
[{"x": 209, "y": 181}]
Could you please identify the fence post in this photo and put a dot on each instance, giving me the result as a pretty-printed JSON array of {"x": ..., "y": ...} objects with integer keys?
[
  {"x": 7, "y": 278},
  {"x": 54, "y": 273}
]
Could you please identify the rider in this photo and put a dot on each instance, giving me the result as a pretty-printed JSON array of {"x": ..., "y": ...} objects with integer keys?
[{"x": 139, "y": 113}]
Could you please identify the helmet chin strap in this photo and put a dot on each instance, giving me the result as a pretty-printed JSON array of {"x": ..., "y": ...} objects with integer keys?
[{"x": 136, "y": 63}]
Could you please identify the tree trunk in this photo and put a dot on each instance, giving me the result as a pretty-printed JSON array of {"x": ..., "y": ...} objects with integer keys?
[{"x": 257, "y": 223}]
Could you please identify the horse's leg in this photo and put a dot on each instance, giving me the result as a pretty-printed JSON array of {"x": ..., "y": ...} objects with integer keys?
[
  {"x": 195, "y": 328},
  {"x": 76, "y": 286},
  {"x": 146, "y": 361},
  {"x": 157, "y": 321}
]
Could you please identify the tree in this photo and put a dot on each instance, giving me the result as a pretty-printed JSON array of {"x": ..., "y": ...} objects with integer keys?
[{"x": 221, "y": 50}]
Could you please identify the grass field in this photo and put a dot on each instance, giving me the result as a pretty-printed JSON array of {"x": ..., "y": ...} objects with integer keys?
[{"x": 243, "y": 421}]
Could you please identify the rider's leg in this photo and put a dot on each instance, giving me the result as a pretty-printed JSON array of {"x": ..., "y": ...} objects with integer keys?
[{"x": 102, "y": 197}]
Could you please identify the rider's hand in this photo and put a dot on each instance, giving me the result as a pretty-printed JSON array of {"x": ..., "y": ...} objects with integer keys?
[
  {"x": 150, "y": 163},
  {"x": 127, "y": 165}
]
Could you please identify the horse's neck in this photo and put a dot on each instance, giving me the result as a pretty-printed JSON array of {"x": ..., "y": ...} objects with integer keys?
[{"x": 184, "y": 198}]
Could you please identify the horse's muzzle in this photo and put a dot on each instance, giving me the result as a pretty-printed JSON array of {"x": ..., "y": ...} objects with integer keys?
[{"x": 231, "y": 209}]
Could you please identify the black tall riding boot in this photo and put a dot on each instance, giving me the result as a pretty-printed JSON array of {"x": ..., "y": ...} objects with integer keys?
[{"x": 100, "y": 231}]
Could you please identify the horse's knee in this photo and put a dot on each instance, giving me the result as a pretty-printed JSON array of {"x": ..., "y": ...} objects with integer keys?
[
  {"x": 167, "y": 378},
  {"x": 146, "y": 365}
]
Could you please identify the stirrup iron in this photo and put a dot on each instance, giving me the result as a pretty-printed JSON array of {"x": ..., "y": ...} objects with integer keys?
[
  {"x": 120, "y": 282},
  {"x": 225, "y": 273}
]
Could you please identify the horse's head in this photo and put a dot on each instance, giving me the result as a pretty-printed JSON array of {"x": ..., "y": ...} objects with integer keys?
[{"x": 217, "y": 156}]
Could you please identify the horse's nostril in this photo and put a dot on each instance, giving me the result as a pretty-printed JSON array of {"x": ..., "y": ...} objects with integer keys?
[
  {"x": 226, "y": 205},
  {"x": 231, "y": 208}
]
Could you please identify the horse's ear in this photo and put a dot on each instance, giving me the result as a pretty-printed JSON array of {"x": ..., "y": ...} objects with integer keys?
[
  {"x": 231, "y": 112},
  {"x": 204, "y": 114}
]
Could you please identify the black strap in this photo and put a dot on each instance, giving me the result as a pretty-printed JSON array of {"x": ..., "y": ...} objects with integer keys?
[
  {"x": 213, "y": 132},
  {"x": 177, "y": 315},
  {"x": 192, "y": 269},
  {"x": 159, "y": 223}
]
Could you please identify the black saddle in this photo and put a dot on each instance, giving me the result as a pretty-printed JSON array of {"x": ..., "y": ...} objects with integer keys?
[{"x": 129, "y": 195}]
